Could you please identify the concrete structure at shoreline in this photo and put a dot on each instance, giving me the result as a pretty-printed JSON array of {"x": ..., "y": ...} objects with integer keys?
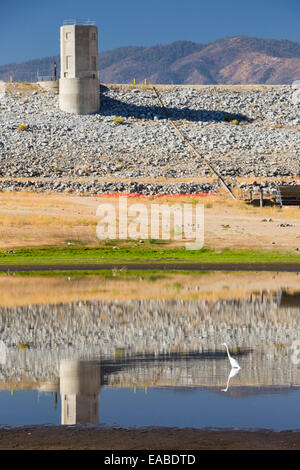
[{"x": 79, "y": 88}]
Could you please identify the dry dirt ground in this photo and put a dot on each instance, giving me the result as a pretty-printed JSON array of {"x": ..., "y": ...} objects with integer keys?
[
  {"x": 71, "y": 438},
  {"x": 28, "y": 219}
]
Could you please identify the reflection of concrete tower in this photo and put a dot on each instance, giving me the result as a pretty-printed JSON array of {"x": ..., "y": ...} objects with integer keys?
[
  {"x": 79, "y": 391},
  {"x": 79, "y": 90}
]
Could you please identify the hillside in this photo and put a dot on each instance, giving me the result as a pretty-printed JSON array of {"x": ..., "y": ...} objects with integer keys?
[{"x": 233, "y": 60}]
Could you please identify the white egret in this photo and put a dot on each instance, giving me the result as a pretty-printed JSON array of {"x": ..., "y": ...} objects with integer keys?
[{"x": 234, "y": 363}]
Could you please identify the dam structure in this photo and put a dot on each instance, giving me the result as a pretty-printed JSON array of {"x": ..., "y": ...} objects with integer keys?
[{"x": 79, "y": 88}]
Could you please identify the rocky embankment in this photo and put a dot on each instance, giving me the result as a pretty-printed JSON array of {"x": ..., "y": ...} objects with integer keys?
[{"x": 245, "y": 133}]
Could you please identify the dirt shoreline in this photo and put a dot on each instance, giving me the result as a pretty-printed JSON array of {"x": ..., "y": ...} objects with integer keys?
[
  {"x": 29, "y": 219},
  {"x": 74, "y": 438}
]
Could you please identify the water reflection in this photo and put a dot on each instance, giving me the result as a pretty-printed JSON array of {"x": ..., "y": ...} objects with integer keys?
[
  {"x": 232, "y": 373},
  {"x": 79, "y": 391},
  {"x": 289, "y": 299},
  {"x": 72, "y": 350}
]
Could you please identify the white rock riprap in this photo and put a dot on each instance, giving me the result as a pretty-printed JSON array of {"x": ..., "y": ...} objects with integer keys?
[{"x": 57, "y": 145}]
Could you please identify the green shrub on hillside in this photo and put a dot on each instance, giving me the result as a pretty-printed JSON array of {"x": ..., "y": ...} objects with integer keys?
[
  {"x": 119, "y": 120},
  {"x": 22, "y": 127}
]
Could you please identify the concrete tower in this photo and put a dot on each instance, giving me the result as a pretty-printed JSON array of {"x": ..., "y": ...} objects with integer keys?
[{"x": 79, "y": 88}]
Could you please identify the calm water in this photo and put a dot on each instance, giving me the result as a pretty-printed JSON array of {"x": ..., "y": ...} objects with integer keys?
[{"x": 152, "y": 363}]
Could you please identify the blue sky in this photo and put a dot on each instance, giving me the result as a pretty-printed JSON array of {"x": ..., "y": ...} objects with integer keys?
[{"x": 29, "y": 29}]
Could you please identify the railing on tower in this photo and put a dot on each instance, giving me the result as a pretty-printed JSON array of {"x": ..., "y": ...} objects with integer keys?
[{"x": 87, "y": 22}]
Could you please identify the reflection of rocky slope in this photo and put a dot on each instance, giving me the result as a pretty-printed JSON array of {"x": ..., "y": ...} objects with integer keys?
[
  {"x": 263, "y": 367},
  {"x": 155, "y": 328},
  {"x": 268, "y": 366}
]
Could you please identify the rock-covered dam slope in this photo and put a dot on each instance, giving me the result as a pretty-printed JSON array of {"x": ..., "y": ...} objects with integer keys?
[{"x": 245, "y": 132}]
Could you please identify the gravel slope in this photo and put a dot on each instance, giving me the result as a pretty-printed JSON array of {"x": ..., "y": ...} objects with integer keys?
[{"x": 56, "y": 145}]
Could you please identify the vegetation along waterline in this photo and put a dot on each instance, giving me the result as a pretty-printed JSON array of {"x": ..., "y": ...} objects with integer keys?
[{"x": 142, "y": 253}]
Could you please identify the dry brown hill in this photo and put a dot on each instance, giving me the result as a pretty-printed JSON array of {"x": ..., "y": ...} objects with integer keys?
[{"x": 233, "y": 60}]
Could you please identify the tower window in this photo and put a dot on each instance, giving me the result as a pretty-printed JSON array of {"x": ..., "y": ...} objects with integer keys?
[
  {"x": 68, "y": 36},
  {"x": 94, "y": 36},
  {"x": 68, "y": 62},
  {"x": 94, "y": 63}
]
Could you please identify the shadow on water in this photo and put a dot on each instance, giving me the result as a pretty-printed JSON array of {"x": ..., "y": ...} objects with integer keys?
[{"x": 113, "y": 107}]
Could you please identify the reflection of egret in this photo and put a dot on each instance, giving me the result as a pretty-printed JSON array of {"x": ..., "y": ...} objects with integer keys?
[
  {"x": 234, "y": 363},
  {"x": 234, "y": 371}
]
